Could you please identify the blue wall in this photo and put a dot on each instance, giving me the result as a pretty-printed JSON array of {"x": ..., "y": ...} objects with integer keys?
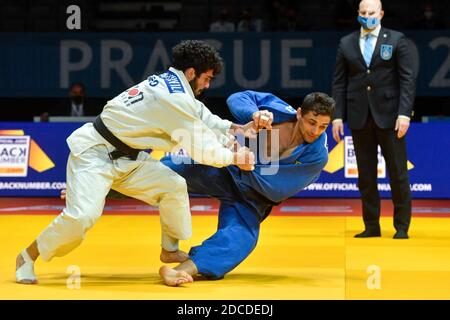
[{"x": 289, "y": 64}]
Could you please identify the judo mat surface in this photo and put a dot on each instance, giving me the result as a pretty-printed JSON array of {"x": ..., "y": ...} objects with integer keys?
[{"x": 306, "y": 250}]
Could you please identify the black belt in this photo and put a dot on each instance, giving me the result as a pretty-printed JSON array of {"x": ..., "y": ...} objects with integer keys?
[{"x": 122, "y": 150}]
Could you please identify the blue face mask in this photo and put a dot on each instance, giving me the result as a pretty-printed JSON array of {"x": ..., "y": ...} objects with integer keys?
[{"x": 368, "y": 23}]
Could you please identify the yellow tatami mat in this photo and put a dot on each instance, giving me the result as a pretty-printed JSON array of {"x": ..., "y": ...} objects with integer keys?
[{"x": 296, "y": 258}]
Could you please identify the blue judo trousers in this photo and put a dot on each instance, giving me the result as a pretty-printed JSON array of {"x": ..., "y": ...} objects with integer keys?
[
  {"x": 247, "y": 197},
  {"x": 238, "y": 228}
]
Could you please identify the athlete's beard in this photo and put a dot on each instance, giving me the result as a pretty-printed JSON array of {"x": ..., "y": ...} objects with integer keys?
[{"x": 193, "y": 84}]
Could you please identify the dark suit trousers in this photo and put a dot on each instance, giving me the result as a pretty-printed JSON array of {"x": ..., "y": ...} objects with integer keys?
[{"x": 366, "y": 143}]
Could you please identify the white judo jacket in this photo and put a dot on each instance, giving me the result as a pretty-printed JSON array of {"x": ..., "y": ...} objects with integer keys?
[{"x": 161, "y": 113}]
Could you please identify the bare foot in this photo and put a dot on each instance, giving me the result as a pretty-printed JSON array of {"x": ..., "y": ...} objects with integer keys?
[
  {"x": 174, "y": 278},
  {"x": 26, "y": 274},
  {"x": 173, "y": 256}
]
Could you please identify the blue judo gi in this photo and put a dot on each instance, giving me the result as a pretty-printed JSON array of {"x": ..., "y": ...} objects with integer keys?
[{"x": 247, "y": 197}]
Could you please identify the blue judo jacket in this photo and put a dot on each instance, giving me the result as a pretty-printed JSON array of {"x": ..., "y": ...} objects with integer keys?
[{"x": 295, "y": 172}]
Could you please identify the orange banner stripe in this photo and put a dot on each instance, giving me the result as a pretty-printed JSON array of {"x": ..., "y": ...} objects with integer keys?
[{"x": 12, "y": 170}]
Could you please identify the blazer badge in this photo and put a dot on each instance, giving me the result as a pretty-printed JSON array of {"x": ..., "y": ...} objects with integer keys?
[{"x": 386, "y": 51}]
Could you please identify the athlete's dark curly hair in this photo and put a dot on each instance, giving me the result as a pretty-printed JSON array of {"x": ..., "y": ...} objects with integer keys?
[
  {"x": 319, "y": 103},
  {"x": 198, "y": 55}
]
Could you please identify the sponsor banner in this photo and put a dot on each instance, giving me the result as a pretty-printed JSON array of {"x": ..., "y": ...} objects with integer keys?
[
  {"x": 42, "y": 147},
  {"x": 33, "y": 158},
  {"x": 428, "y": 150},
  {"x": 289, "y": 64},
  {"x": 14, "y": 156},
  {"x": 351, "y": 168}
]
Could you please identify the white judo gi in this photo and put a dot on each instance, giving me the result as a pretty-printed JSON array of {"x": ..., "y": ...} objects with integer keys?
[{"x": 159, "y": 113}]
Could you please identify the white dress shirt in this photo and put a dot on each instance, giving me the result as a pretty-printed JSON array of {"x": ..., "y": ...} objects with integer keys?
[{"x": 362, "y": 37}]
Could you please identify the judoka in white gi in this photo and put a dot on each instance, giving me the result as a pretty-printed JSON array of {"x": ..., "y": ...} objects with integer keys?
[{"x": 160, "y": 113}]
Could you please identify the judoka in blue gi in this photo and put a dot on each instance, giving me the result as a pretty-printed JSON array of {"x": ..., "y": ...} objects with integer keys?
[{"x": 247, "y": 197}]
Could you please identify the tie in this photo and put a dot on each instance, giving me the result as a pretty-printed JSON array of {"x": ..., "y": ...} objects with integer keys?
[{"x": 368, "y": 49}]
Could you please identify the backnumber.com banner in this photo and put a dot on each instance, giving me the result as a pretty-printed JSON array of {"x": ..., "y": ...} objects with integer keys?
[{"x": 33, "y": 159}]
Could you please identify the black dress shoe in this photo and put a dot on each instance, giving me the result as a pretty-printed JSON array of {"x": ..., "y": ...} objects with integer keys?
[
  {"x": 368, "y": 234},
  {"x": 401, "y": 234}
]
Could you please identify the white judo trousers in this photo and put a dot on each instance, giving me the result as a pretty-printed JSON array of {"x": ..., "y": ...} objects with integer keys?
[
  {"x": 92, "y": 174},
  {"x": 144, "y": 117}
]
